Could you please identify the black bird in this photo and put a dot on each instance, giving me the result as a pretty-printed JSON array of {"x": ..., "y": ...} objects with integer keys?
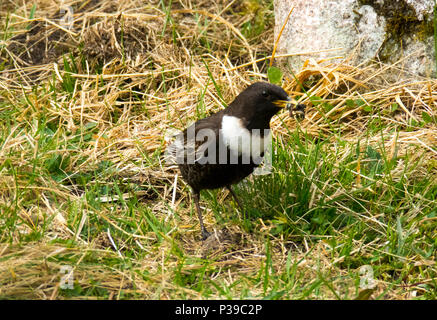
[{"x": 227, "y": 146}]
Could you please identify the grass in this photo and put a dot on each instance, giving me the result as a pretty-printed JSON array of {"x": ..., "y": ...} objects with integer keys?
[{"x": 83, "y": 181}]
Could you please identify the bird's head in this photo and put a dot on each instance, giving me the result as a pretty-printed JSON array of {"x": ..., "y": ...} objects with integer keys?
[{"x": 259, "y": 102}]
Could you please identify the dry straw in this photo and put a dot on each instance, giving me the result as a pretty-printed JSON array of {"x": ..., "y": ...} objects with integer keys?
[{"x": 150, "y": 81}]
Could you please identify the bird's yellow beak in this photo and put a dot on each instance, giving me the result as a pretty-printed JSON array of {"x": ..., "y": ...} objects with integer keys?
[
  {"x": 289, "y": 103},
  {"x": 284, "y": 103}
]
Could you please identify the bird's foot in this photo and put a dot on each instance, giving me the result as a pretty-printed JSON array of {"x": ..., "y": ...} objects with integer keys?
[{"x": 205, "y": 234}]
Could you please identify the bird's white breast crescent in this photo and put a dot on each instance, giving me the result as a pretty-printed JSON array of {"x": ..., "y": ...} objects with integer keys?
[{"x": 242, "y": 141}]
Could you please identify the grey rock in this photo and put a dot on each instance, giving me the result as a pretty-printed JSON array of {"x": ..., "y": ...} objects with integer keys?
[{"x": 386, "y": 30}]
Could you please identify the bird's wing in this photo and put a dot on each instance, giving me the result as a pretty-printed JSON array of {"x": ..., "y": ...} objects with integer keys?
[{"x": 193, "y": 144}]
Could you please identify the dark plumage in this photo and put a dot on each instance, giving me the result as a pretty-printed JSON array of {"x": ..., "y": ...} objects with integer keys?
[{"x": 199, "y": 159}]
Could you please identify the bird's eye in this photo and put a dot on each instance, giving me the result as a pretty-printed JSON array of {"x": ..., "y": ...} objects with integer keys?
[{"x": 265, "y": 94}]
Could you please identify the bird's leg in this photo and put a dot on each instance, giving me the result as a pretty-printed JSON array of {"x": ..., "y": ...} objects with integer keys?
[
  {"x": 205, "y": 233},
  {"x": 235, "y": 198}
]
